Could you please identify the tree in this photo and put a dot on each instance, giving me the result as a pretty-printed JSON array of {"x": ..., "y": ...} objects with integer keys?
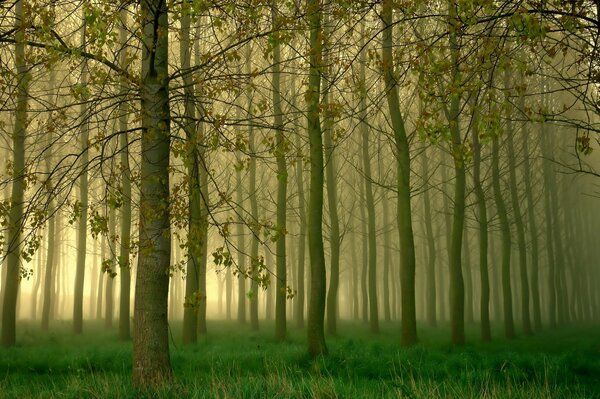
[
  {"x": 15, "y": 216},
  {"x": 316, "y": 305},
  {"x": 125, "y": 249},
  {"x": 151, "y": 363},
  {"x": 405, "y": 230},
  {"x": 83, "y": 200},
  {"x": 486, "y": 333},
  {"x": 282, "y": 178}
]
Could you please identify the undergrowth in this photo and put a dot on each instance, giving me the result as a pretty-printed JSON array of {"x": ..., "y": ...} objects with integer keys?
[{"x": 233, "y": 362}]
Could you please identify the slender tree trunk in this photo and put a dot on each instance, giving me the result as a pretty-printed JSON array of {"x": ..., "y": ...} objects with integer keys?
[
  {"x": 370, "y": 202},
  {"x": 151, "y": 363},
  {"x": 431, "y": 299},
  {"x": 125, "y": 248},
  {"x": 364, "y": 291},
  {"x": 469, "y": 295},
  {"x": 405, "y": 230},
  {"x": 300, "y": 297},
  {"x": 482, "y": 216},
  {"x": 110, "y": 273},
  {"x": 36, "y": 286},
  {"x": 193, "y": 296},
  {"x": 334, "y": 224},
  {"x": 516, "y": 207},
  {"x": 241, "y": 248},
  {"x": 509, "y": 328},
  {"x": 100, "y": 298},
  {"x": 387, "y": 259},
  {"x": 316, "y": 305},
  {"x": 49, "y": 272},
  {"x": 282, "y": 178},
  {"x": 457, "y": 293},
  {"x": 83, "y": 201},
  {"x": 15, "y": 217}
]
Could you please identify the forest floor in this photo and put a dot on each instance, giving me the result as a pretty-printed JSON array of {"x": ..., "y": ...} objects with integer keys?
[{"x": 233, "y": 362}]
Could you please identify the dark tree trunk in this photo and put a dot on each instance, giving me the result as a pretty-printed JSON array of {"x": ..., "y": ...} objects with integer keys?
[
  {"x": 151, "y": 362},
  {"x": 316, "y": 305}
]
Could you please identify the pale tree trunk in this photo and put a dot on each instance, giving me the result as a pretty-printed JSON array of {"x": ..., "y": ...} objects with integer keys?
[
  {"x": 50, "y": 266},
  {"x": 151, "y": 362},
  {"x": 387, "y": 259},
  {"x": 364, "y": 289},
  {"x": 100, "y": 298},
  {"x": 253, "y": 210},
  {"x": 509, "y": 328},
  {"x": 94, "y": 282},
  {"x": 36, "y": 286},
  {"x": 518, "y": 218},
  {"x": 316, "y": 305},
  {"x": 282, "y": 177},
  {"x": 300, "y": 297},
  {"x": 405, "y": 229},
  {"x": 241, "y": 250},
  {"x": 332, "y": 204},
  {"x": 533, "y": 233},
  {"x": 15, "y": 217},
  {"x": 48, "y": 290},
  {"x": 370, "y": 202},
  {"x": 482, "y": 216},
  {"x": 431, "y": 292},
  {"x": 110, "y": 274},
  {"x": 124, "y": 251},
  {"x": 469, "y": 294},
  {"x": 83, "y": 201}
]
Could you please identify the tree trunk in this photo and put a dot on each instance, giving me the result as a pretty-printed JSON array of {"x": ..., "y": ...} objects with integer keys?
[
  {"x": 516, "y": 207},
  {"x": 100, "y": 298},
  {"x": 431, "y": 300},
  {"x": 151, "y": 363},
  {"x": 300, "y": 297},
  {"x": 509, "y": 328},
  {"x": 484, "y": 306},
  {"x": 110, "y": 273},
  {"x": 387, "y": 259},
  {"x": 316, "y": 305},
  {"x": 282, "y": 178},
  {"x": 457, "y": 293},
  {"x": 125, "y": 248},
  {"x": 193, "y": 297},
  {"x": 334, "y": 224},
  {"x": 15, "y": 217},
  {"x": 83, "y": 201},
  {"x": 405, "y": 230}
]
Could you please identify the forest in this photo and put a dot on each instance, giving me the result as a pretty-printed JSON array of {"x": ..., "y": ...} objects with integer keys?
[{"x": 285, "y": 198}]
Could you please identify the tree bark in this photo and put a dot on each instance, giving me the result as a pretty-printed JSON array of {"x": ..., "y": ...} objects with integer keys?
[
  {"x": 518, "y": 218},
  {"x": 151, "y": 363},
  {"x": 457, "y": 293},
  {"x": 300, "y": 297},
  {"x": 484, "y": 306},
  {"x": 429, "y": 221},
  {"x": 282, "y": 178},
  {"x": 316, "y": 305},
  {"x": 405, "y": 229},
  {"x": 509, "y": 328},
  {"x": 193, "y": 296},
  {"x": 125, "y": 248},
  {"x": 83, "y": 202},
  {"x": 15, "y": 217}
]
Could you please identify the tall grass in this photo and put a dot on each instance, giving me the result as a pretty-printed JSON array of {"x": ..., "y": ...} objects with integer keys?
[{"x": 233, "y": 362}]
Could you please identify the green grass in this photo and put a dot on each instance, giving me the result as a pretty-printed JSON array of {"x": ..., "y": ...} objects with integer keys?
[{"x": 233, "y": 362}]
